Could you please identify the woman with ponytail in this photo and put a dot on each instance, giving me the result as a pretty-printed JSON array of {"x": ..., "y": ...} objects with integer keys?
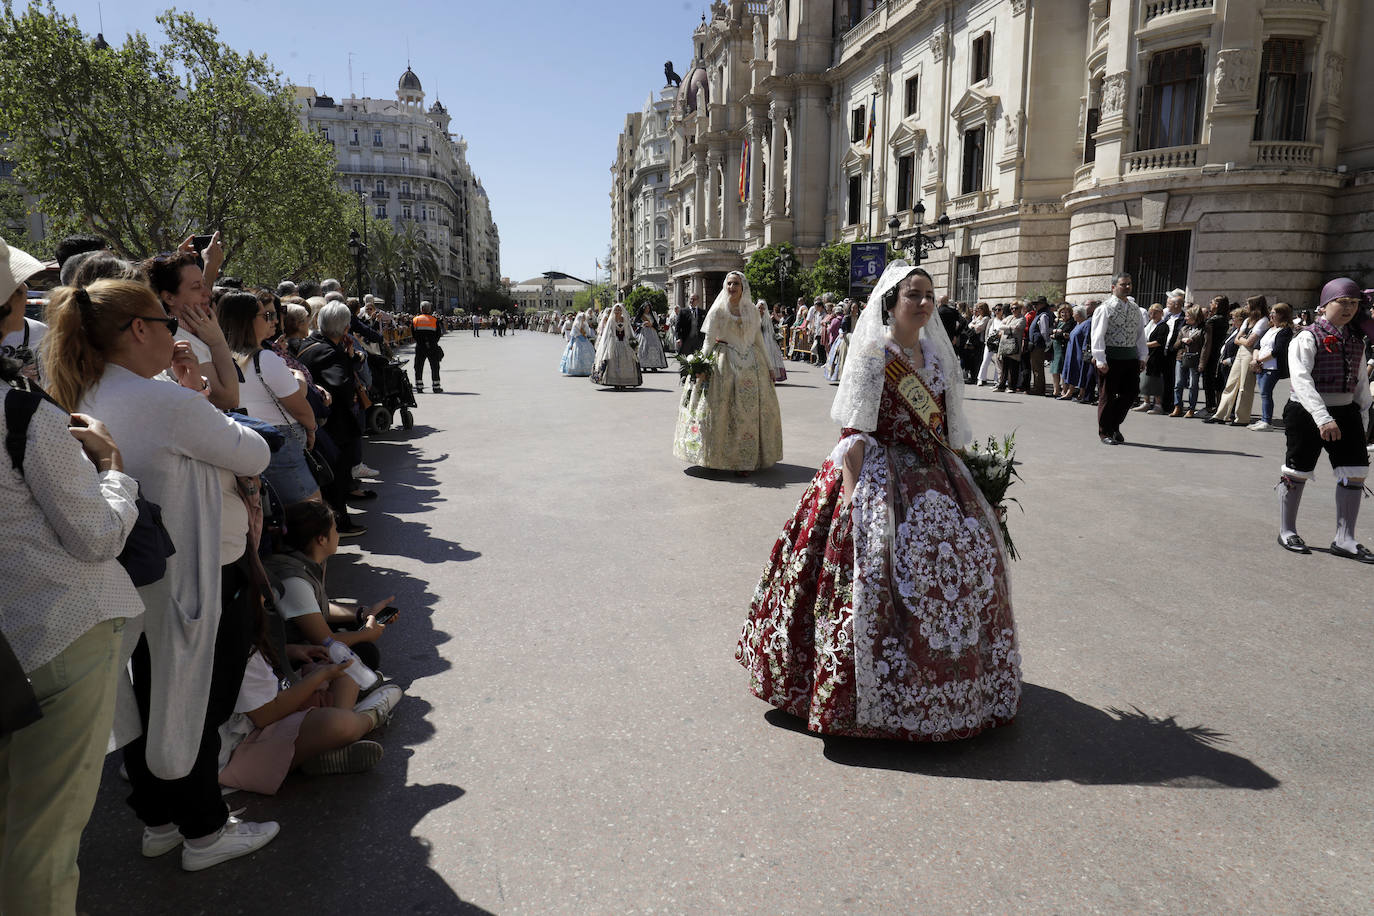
[{"x": 107, "y": 343}]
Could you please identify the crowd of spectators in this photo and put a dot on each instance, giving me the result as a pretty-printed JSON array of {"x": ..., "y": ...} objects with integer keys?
[{"x": 183, "y": 450}]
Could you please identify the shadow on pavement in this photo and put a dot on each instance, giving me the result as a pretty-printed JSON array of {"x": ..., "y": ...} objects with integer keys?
[
  {"x": 1056, "y": 738},
  {"x": 1190, "y": 451},
  {"x": 779, "y": 475}
]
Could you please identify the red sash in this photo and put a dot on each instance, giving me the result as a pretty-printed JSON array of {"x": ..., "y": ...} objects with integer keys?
[{"x": 917, "y": 396}]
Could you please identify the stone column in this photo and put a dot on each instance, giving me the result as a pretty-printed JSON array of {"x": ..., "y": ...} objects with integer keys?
[
  {"x": 699, "y": 203},
  {"x": 1113, "y": 134},
  {"x": 753, "y": 210},
  {"x": 1234, "y": 77},
  {"x": 777, "y": 194},
  {"x": 713, "y": 194}
]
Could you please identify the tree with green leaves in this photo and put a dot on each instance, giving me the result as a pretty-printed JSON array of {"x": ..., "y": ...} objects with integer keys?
[
  {"x": 646, "y": 296},
  {"x": 762, "y": 272},
  {"x": 594, "y": 298},
  {"x": 145, "y": 144},
  {"x": 830, "y": 273}
]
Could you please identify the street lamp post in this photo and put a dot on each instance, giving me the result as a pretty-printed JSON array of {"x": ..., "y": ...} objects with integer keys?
[
  {"x": 362, "y": 209},
  {"x": 786, "y": 263},
  {"x": 918, "y": 242},
  {"x": 359, "y": 251},
  {"x": 405, "y": 283}
]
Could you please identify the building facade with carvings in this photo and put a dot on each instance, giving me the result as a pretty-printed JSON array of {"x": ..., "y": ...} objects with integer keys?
[
  {"x": 642, "y": 245},
  {"x": 401, "y": 161},
  {"x": 1207, "y": 144}
]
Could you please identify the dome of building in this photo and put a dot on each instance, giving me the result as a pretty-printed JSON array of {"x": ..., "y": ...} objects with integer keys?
[
  {"x": 438, "y": 108},
  {"x": 409, "y": 80}
]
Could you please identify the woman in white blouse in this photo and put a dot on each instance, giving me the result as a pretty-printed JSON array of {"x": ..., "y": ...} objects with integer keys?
[
  {"x": 106, "y": 344},
  {"x": 67, "y": 512},
  {"x": 271, "y": 391}
]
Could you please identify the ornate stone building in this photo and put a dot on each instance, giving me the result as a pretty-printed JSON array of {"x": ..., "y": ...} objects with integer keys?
[
  {"x": 405, "y": 166},
  {"x": 641, "y": 247},
  {"x": 1208, "y": 144}
]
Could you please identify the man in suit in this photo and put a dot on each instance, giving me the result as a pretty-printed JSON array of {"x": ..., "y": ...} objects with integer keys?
[{"x": 688, "y": 328}]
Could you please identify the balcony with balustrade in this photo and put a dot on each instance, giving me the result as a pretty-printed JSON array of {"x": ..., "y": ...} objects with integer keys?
[{"x": 1164, "y": 159}]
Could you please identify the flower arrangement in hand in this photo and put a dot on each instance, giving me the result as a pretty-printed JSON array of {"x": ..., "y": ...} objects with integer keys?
[
  {"x": 993, "y": 468},
  {"x": 692, "y": 365}
]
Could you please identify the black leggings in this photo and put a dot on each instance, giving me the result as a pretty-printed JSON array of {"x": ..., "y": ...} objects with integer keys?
[{"x": 193, "y": 802}]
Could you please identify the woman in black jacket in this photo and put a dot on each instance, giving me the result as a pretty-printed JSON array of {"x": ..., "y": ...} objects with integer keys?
[{"x": 327, "y": 357}]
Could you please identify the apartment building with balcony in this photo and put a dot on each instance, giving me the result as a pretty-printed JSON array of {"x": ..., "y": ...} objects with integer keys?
[
  {"x": 1208, "y": 144},
  {"x": 641, "y": 243},
  {"x": 404, "y": 165}
]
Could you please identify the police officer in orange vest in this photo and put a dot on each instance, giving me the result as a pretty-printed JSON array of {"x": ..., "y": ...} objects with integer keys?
[{"x": 427, "y": 330}]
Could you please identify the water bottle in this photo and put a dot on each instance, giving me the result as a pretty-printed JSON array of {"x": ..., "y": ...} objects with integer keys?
[{"x": 339, "y": 653}]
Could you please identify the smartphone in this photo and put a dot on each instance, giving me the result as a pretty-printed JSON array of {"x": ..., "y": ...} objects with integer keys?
[
  {"x": 387, "y": 615},
  {"x": 201, "y": 242}
]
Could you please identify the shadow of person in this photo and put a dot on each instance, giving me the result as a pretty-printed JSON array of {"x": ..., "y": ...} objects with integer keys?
[
  {"x": 1186, "y": 450},
  {"x": 1055, "y": 737},
  {"x": 775, "y": 477}
]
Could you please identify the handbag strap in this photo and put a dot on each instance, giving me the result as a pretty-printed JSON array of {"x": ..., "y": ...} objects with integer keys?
[{"x": 257, "y": 367}]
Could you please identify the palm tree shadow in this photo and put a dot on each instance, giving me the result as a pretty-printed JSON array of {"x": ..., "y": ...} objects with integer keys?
[{"x": 1054, "y": 738}]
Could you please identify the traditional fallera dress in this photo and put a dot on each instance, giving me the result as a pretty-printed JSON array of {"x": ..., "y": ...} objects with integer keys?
[
  {"x": 730, "y": 420},
  {"x": 776, "y": 364},
  {"x": 890, "y": 617},
  {"x": 579, "y": 354},
  {"x": 616, "y": 363},
  {"x": 839, "y": 349},
  {"x": 651, "y": 355}
]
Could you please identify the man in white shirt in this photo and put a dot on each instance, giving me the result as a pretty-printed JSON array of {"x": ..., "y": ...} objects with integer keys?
[{"x": 1119, "y": 350}]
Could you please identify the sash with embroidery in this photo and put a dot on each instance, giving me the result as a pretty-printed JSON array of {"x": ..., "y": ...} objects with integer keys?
[{"x": 917, "y": 396}]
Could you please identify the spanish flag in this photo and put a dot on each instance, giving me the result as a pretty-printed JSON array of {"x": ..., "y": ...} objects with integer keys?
[
  {"x": 872, "y": 116},
  {"x": 744, "y": 173}
]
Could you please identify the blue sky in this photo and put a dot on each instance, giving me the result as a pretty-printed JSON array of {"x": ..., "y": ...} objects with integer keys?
[{"x": 540, "y": 89}]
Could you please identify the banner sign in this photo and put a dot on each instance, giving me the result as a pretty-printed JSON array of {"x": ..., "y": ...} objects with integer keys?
[{"x": 866, "y": 263}]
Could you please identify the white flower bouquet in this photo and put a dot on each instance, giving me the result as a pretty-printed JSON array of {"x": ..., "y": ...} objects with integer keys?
[{"x": 993, "y": 468}]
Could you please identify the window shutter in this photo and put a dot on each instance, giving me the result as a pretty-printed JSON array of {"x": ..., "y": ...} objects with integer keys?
[
  {"x": 1144, "y": 118},
  {"x": 1298, "y": 129}
]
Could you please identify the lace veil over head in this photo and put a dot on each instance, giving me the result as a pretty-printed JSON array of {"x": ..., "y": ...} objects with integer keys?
[
  {"x": 861, "y": 386},
  {"x": 605, "y": 331},
  {"x": 720, "y": 324}
]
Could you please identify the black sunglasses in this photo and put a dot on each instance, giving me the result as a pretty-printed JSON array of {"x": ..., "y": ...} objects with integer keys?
[{"x": 172, "y": 323}]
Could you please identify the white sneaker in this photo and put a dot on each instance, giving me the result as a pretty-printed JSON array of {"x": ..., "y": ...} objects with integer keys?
[
  {"x": 362, "y": 470},
  {"x": 380, "y": 703},
  {"x": 1259, "y": 426},
  {"x": 237, "y": 838},
  {"x": 159, "y": 843}
]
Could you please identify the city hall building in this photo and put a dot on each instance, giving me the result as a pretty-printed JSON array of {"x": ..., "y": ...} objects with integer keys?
[{"x": 1213, "y": 145}]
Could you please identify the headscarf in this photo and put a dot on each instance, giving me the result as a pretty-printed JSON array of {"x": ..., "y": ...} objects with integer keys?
[
  {"x": 741, "y": 332},
  {"x": 605, "y": 332},
  {"x": 861, "y": 385},
  {"x": 1340, "y": 288}
]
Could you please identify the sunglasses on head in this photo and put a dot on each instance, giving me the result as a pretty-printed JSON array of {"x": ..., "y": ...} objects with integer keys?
[{"x": 172, "y": 323}]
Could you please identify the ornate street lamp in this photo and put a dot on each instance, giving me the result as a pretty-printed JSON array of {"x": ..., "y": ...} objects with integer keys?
[
  {"x": 786, "y": 264},
  {"x": 918, "y": 242},
  {"x": 359, "y": 251},
  {"x": 405, "y": 283}
]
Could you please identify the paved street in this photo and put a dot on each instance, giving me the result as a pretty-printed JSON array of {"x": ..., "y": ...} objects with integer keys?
[{"x": 577, "y": 737}]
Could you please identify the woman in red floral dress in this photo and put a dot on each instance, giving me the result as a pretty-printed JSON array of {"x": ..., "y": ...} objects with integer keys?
[{"x": 885, "y": 610}]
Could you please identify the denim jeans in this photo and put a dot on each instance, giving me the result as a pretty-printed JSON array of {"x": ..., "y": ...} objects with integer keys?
[
  {"x": 1188, "y": 377},
  {"x": 1268, "y": 381}
]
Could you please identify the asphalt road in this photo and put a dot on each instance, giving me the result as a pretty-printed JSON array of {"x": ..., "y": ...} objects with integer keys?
[{"x": 1195, "y": 734}]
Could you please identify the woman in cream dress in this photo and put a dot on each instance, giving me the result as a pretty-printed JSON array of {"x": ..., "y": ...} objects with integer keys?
[{"x": 729, "y": 418}]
